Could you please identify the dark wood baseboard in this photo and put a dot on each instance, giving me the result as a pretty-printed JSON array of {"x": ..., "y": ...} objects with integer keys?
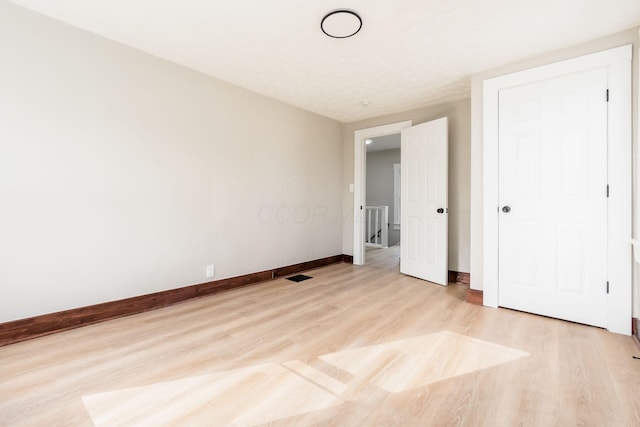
[
  {"x": 635, "y": 330},
  {"x": 347, "y": 259},
  {"x": 458, "y": 277},
  {"x": 475, "y": 296},
  {"x": 309, "y": 265},
  {"x": 46, "y": 324}
]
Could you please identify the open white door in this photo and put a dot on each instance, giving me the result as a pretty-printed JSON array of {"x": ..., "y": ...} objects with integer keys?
[{"x": 424, "y": 189}]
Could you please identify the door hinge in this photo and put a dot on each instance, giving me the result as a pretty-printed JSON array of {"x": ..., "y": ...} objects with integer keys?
[
  {"x": 607, "y": 286},
  {"x": 607, "y": 95},
  {"x": 607, "y": 190}
]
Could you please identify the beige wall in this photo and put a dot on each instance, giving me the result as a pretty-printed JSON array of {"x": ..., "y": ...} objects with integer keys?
[
  {"x": 123, "y": 174},
  {"x": 622, "y": 38},
  {"x": 459, "y": 172}
]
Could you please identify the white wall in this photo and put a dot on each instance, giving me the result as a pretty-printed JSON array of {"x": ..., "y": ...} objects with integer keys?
[
  {"x": 619, "y": 39},
  {"x": 459, "y": 115},
  {"x": 122, "y": 174},
  {"x": 380, "y": 185}
]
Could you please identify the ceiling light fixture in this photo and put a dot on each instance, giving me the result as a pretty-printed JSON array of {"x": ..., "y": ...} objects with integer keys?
[
  {"x": 341, "y": 23},
  {"x": 368, "y": 141}
]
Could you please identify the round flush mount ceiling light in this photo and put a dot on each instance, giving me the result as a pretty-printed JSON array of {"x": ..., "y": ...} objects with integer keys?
[{"x": 341, "y": 23}]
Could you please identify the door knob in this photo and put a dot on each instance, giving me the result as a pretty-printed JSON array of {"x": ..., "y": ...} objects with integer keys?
[
  {"x": 440, "y": 210},
  {"x": 506, "y": 209}
]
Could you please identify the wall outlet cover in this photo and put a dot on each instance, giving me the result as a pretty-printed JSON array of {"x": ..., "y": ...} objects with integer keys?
[{"x": 210, "y": 270}]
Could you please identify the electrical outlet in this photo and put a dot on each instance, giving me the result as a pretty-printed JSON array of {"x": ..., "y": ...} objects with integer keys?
[{"x": 210, "y": 270}]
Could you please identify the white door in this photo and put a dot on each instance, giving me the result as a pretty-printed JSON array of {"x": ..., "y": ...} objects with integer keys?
[
  {"x": 423, "y": 235},
  {"x": 553, "y": 197}
]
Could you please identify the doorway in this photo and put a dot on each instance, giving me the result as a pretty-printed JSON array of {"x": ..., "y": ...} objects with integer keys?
[
  {"x": 424, "y": 195},
  {"x": 360, "y": 190},
  {"x": 382, "y": 215}
]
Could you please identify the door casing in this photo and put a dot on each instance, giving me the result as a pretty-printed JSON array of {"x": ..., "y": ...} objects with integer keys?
[
  {"x": 618, "y": 64},
  {"x": 359, "y": 185}
]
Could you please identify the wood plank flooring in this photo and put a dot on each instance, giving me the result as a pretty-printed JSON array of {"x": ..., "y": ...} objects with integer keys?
[{"x": 354, "y": 346}]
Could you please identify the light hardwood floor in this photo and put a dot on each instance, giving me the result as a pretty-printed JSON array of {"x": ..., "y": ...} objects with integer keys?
[{"x": 354, "y": 346}]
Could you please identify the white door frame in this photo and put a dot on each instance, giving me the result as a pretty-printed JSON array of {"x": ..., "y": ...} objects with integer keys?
[
  {"x": 617, "y": 61},
  {"x": 360, "y": 179}
]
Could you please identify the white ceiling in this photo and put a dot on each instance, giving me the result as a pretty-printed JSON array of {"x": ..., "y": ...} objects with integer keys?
[
  {"x": 409, "y": 53},
  {"x": 386, "y": 142}
]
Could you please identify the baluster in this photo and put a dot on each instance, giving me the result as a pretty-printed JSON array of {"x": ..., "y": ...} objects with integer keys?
[
  {"x": 368, "y": 225},
  {"x": 377, "y": 226}
]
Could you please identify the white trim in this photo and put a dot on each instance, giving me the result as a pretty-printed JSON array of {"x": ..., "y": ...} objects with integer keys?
[
  {"x": 359, "y": 176},
  {"x": 618, "y": 64},
  {"x": 396, "y": 195},
  {"x": 635, "y": 307}
]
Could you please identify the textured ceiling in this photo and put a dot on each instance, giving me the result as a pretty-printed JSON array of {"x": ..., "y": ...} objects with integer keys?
[{"x": 409, "y": 53}]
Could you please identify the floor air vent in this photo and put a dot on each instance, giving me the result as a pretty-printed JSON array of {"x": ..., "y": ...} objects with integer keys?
[{"x": 299, "y": 278}]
